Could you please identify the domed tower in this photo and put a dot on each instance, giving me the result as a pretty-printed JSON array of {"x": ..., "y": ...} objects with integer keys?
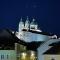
[
  {"x": 20, "y": 32},
  {"x": 27, "y": 23},
  {"x": 33, "y": 25},
  {"x": 21, "y": 25}
]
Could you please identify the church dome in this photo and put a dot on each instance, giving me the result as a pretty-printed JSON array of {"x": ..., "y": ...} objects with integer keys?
[{"x": 33, "y": 22}]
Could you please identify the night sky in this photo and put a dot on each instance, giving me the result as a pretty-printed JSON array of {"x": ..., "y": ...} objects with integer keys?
[{"x": 46, "y": 13}]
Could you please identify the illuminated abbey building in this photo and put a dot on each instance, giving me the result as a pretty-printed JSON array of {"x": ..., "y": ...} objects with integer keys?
[{"x": 28, "y": 43}]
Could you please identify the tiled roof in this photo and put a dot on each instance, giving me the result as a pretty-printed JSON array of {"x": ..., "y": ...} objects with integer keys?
[
  {"x": 54, "y": 50},
  {"x": 37, "y": 32},
  {"x": 55, "y": 44}
]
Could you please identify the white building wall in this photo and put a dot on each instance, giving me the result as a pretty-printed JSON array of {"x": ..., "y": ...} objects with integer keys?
[
  {"x": 7, "y": 55},
  {"x": 41, "y": 37},
  {"x": 29, "y": 37}
]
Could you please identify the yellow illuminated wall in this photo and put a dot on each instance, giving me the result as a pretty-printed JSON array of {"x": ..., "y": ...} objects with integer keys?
[
  {"x": 28, "y": 55},
  {"x": 24, "y": 54},
  {"x": 50, "y": 57}
]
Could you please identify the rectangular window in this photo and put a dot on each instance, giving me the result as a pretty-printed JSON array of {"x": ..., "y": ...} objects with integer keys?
[
  {"x": 2, "y": 56},
  {"x": 7, "y": 56}
]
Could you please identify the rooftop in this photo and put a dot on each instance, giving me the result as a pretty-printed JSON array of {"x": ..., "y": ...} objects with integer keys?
[
  {"x": 54, "y": 50},
  {"x": 7, "y": 38},
  {"x": 37, "y": 32}
]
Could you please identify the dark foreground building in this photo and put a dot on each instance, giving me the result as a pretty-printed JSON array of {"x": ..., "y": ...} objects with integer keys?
[{"x": 12, "y": 48}]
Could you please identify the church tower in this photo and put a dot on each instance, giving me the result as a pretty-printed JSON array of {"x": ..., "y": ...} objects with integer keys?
[
  {"x": 21, "y": 25},
  {"x": 27, "y": 23},
  {"x": 20, "y": 32},
  {"x": 33, "y": 25}
]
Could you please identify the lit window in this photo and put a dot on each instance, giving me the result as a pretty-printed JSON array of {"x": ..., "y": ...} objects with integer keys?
[
  {"x": 23, "y": 55},
  {"x": 32, "y": 57},
  {"x": 32, "y": 53}
]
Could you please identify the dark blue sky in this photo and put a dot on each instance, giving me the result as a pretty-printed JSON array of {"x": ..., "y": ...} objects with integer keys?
[{"x": 46, "y": 12}]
